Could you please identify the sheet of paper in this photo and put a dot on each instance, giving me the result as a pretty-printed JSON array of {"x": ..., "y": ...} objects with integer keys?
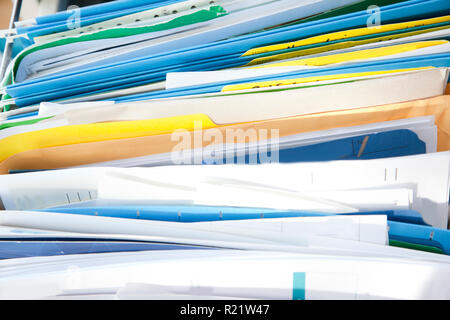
[
  {"x": 26, "y": 191},
  {"x": 246, "y": 274},
  {"x": 268, "y": 185},
  {"x": 372, "y": 229}
]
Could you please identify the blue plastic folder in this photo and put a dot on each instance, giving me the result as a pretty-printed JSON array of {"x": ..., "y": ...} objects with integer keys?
[
  {"x": 372, "y": 146},
  {"x": 18, "y": 45},
  {"x": 422, "y": 235},
  {"x": 99, "y": 9},
  {"x": 197, "y": 213},
  {"x": 40, "y": 247}
]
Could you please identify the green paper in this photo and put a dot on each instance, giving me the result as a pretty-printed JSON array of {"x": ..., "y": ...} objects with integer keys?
[
  {"x": 414, "y": 246},
  {"x": 21, "y": 123}
]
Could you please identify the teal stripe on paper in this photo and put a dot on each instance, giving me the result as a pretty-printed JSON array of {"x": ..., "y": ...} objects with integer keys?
[{"x": 298, "y": 286}]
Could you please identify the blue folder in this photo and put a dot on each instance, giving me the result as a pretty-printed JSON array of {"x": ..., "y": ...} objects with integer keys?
[
  {"x": 195, "y": 213},
  {"x": 19, "y": 44},
  {"x": 95, "y": 10},
  {"x": 422, "y": 235},
  {"x": 388, "y": 144},
  {"x": 39, "y": 247}
]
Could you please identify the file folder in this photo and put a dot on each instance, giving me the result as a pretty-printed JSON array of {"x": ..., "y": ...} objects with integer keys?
[{"x": 27, "y": 248}]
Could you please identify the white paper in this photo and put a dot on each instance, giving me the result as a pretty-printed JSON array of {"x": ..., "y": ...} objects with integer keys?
[
  {"x": 246, "y": 274},
  {"x": 266, "y": 184}
]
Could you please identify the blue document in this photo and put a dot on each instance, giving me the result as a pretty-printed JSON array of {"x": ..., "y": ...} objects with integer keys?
[{"x": 35, "y": 247}]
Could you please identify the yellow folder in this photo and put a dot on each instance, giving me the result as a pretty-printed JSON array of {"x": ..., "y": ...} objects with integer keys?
[
  {"x": 347, "y": 34},
  {"x": 76, "y": 134},
  {"x": 356, "y": 55},
  {"x": 283, "y": 82}
]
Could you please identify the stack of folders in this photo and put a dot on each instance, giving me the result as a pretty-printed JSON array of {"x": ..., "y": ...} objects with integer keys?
[{"x": 275, "y": 149}]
